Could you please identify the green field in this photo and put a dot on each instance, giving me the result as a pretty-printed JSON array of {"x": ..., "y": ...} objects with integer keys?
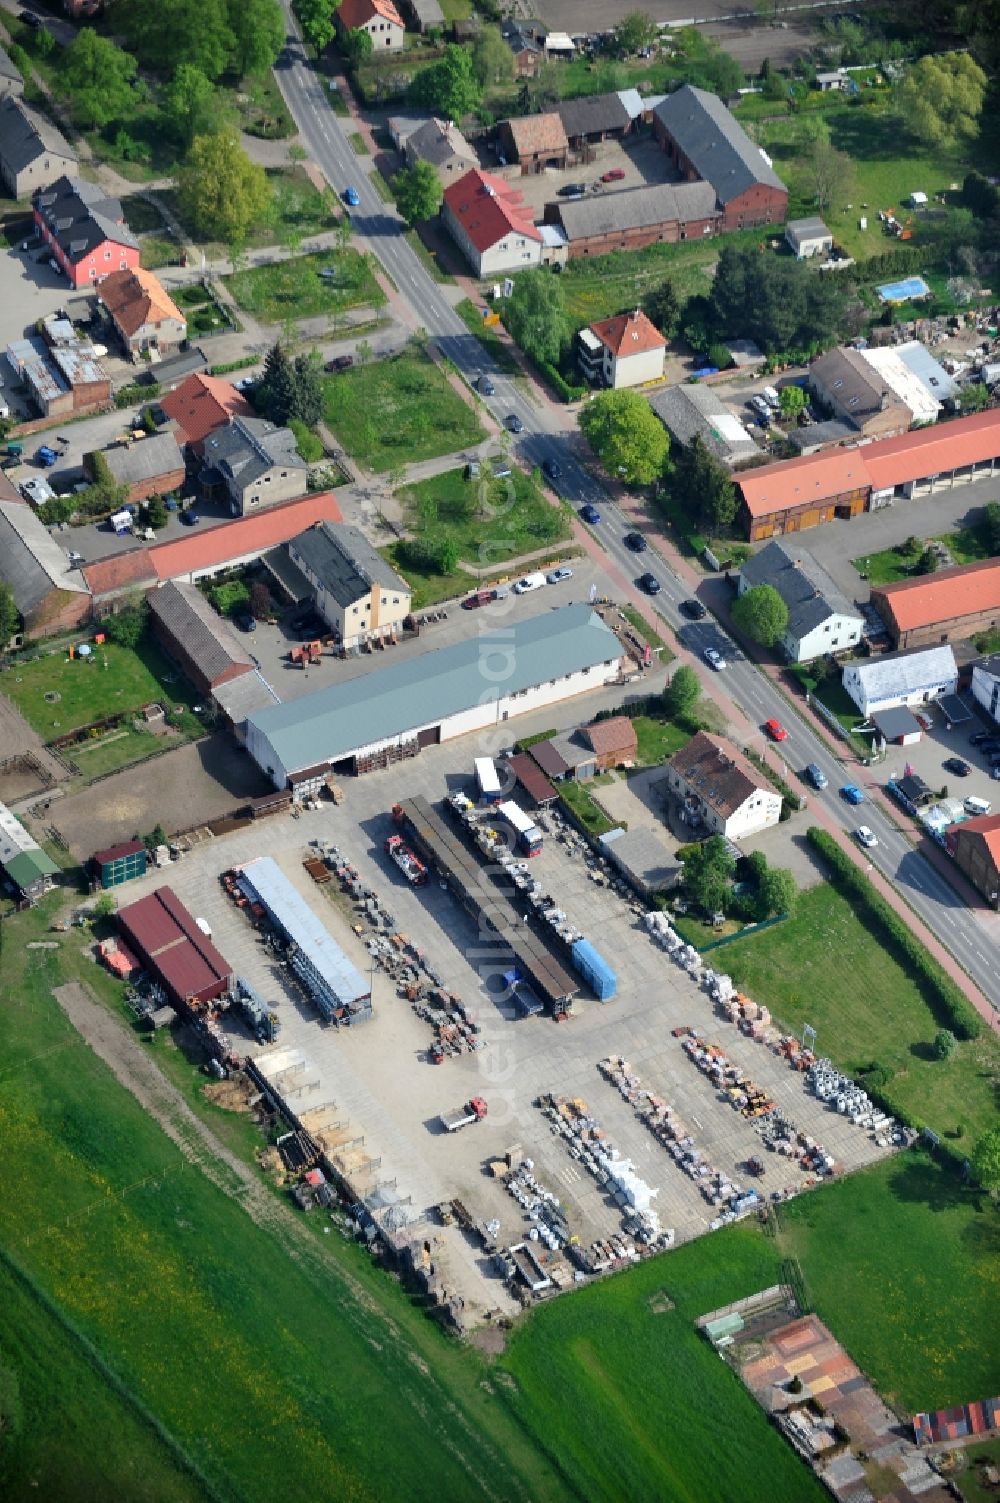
[
  {"x": 396, "y": 411},
  {"x": 634, "y": 1404},
  {"x": 823, "y": 966},
  {"x": 490, "y": 520},
  {"x": 658, "y": 739},
  {"x": 590, "y": 814},
  {"x": 113, "y": 679},
  {"x": 282, "y": 1363},
  {"x": 599, "y": 286},
  {"x": 295, "y": 289}
]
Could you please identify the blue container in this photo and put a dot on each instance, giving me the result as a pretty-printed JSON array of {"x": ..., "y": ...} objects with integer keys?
[{"x": 595, "y": 970}]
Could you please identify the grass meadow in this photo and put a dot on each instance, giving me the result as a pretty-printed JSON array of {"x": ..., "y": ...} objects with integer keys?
[
  {"x": 110, "y": 681},
  {"x": 399, "y": 410}
]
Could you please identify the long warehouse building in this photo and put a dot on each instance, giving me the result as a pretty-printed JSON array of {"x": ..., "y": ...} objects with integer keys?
[
  {"x": 337, "y": 987},
  {"x": 390, "y": 714},
  {"x": 498, "y": 921}
]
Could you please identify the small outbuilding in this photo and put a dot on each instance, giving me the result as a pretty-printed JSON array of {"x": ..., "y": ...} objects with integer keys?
[
  {"x": 807, "y": 238},
  {"x": 898, "y": 726},
  {"x": 613, "y": 741},
  {"x": 119, "y": 863}
]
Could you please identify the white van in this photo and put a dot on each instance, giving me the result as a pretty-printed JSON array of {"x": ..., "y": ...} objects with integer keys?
[
  {"x": 973, "y": 805},
  {"x": 528, "y": 583},
  {"x": 771, "y": 397}
]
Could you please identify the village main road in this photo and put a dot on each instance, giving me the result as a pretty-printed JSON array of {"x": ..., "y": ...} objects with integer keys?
[{"x": 968, "y": 936}]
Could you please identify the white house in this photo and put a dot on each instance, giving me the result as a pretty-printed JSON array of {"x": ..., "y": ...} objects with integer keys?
[
  {"x": 901, "y": 678},
  {"x": 627, "y": 350},
  {"x": 821, "y": 619},
  {"x": 986, "y": 685},
  {"x": 721, "y": 792},
  {"x": 379, "y": 18},
  {"x": 491, "y": 224},
  {"x": 808, "y": 237}
]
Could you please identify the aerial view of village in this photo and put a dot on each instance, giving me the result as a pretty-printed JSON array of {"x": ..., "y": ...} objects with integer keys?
[{"x": 499, "y": 751}]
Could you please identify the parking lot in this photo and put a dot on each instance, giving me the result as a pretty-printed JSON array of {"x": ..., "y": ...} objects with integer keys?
[
  {"x": 639, "y": 157},
  {"x": 380, "y": 1081},
  {"x": 927, "y": 757}
]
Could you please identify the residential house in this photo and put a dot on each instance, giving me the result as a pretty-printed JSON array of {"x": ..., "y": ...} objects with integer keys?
[
  {"x": 950, "y": 605},
  {"x": 901, "y": 678},
  {"x": 257, "y": 463},
  {"x": 706, "y": 143},
  {"x": 975, "y": 845},
  {"x": 379, "y": 18},
  {"x": 720, "y": 792},
  {"x": 151, "y": 466},
  {"x": 48, "y": 591},
  {"x": 689, "y": 412},
  {"x": 24, "y": 862},
  {"x": 604, "y": 222},
  {"x": 835, "y": 81},
  {"x": 806, "y": 238},
  {"x": 535, "y": 141},
  {"x": 594, "y": 118},
  {"x": 525, "y": 40},
  {"x": 11, "y": 81},
  {"x": 627, "y": 350},
  {"x": 442, "y": 145},
  {"x": 853, "y": 390},
  {"x": 33, "y": 153},
  {"x": 119, "y": 863},
  {"x": 491, "y": 224},
  {"x": 351, "y": 586},
  {"x": 85, "y": 231},
  {"x": 203, "y": 643},
  {"x": 201, "y": 405},
  {"x": 821, "y": 620},
  {"x": 144, "y": 315},
  {"x": 613, "y": 741},
  {"x": 986, "y": 685}
]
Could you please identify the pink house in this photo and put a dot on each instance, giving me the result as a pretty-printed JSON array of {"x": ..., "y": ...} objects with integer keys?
[{"x": 85, "y": 231}]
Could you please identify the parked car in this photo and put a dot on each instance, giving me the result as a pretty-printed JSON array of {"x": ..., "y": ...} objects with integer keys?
[
  {"x": 30, "y": 19},
  {"x": 590, "y": 514},
  {"x": 556, "y": 576},
  {"x": 852, "y": 793},
  {"x": 760, "y": 407},
  {"x": 340, "y": 363},
  {"x": 957, "y": 766},
  {"x": 978, "y": 737},
  {"x": 650, "y": 584},
  {"x": 866, "y": 837},
  {"x": 74, "y": 557},
  {"x": 816, "y": 775},
  {"x": 714, "y": 659},
  {"x": 551, "y": 469},
  {"x": 572, "y": 190},
  {"x": 501, "y": 468},
  {"x": 635, "y": 541},
  {"x": 771, "y": 397},
  {"x": 529, "y": 582},
  {"x": 485, "y": 386},
  {"x": 246, "y": 623},
  {"x": 351, "y": 197},
  {"x": 694, "y": 609},
  {"x": 775, "y": 730},
  {"x": 613, "y": 175},
  {"x": 45, "y": 456},
  {"x": 514, "y": 423},
  {"x": 476, "y": 599},
  {"x": 190, "y": 518},
  {"x": 245, "y": 383}
]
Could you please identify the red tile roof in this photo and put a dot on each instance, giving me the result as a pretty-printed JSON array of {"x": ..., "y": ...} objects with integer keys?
[
  {"x": 963, "y": 590},
  {"x": 203, "y": 403},
  {"x": 355, "y": 13},
  {"x": 487, "y": 208},
  {"x": 136, "y": 297},
  {"x": 119, "y": 571},
  {"x": 244, "y": 538},
  {"x": 988, "y": 827},
  {"x": 629, "y": 334},
  {"x": 116, "y": 852},
  {"x": 532, "y": 134},
  {"x": 612, "y": 737},
  {"x": 881, "y": 465}
]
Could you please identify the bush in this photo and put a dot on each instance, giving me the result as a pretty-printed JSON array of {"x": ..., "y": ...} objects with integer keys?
[
  {"x": 138, "y": 391},
  {"x": 566, "y": 391},
  {"x": 308, "y": 443},
  {"x": 230, "y": 598},
  {"x": 943, "y": 996}
]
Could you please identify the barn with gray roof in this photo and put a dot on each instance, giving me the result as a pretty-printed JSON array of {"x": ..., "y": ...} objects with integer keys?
[{"x": 707, "y": 143}]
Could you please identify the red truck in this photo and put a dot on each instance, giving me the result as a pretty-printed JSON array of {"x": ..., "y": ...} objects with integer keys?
[
  {"x": 411, "y": 866},
  {"x": 463, "y": 1116}
]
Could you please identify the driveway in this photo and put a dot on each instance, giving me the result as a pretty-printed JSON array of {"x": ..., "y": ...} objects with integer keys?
[{"x": 29, "y": 290}]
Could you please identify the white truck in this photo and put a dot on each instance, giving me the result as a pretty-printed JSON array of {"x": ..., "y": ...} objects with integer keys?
[{"x": 464, "y": 1116}]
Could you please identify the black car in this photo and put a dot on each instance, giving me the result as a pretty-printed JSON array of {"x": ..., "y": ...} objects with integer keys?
[
  {"x": 635, "y": 541},
  {"x": 650, "y": 584},
  {"x": 572, "y": 190},
  {"x": 694, "y": 609},
  {"x": 978, "y": 737},
  {"x": 957, "y": 766},
  {"x": 29, "y": 18},
  {"x": 485, "y": 385},
  {"x": 247, "y": 623},
  {"x": 552, "y": 469},
  {"x": 190, "y": 518},
  {"x": 989, "y": 747},
  {"x": 514, "y": 423}
]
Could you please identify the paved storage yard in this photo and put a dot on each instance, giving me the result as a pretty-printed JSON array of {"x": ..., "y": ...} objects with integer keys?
[{"x": 381, "y": 1080}]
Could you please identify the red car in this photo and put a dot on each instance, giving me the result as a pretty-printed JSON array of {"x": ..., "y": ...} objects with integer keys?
[
  {"x": 613, "y": 175},
  {"x": 775, "y": 730}
]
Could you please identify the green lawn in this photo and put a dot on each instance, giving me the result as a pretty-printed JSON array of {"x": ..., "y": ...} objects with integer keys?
[
  {"x": 658, "y": 739},
  {"x": 427, "y": 257},
  {"x": 295, "y": 289},
  {"x": 358, "y": 146},
  {"x": 903, "y": 1263},
  {"x": 490, "y": 520},
  {"x": 886, "y": 567},
  {"x": 824, "y": 967},
  {"x": 157, "y": 250},
  {"x": 498, "y": 351},
  {"x": 113, "y": 679},
  {"x": 396, "y": 411},
  {"x": 277, "y": 1375},
  {"x": 634, "y": 1404},
  {"x": 298, "y": 209},
  {"x": 581, "y": 801},
  {"x": 120, "y": 748},
  {"x": 262, "y": 108},
  {"x": 967, "y": 545}
]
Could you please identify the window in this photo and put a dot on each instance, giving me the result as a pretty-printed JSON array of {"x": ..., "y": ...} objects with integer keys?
[{"x": 107, "y": 255}]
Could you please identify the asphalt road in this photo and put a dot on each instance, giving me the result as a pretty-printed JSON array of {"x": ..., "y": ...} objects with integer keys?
[{"x": 930, "y": 896}]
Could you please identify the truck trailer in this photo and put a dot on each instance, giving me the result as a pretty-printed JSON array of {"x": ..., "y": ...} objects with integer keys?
[
  {"x": 464, "y": 1116},
  {"x": 524, "y": 830}
]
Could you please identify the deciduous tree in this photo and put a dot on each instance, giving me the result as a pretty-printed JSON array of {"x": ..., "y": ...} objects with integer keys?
[
  {"x": 774, "y": 300},
  {"x": 761, "y": 614},
  {"x": 793, "y": 401},
  {"x": 258, "y": 29},
  {"x": 357, "y": 47},
  {"x": 449, "y": 86},
  {"x": 171, "y": 32},
  {"x": 776, "y": 891},
  {"x": 634, "y": 33},
  {"x": 681, "y": 692},
  {"x": 492, "y": 59},
  {"x": 708, "y": 871},
  {"x": 192, "y": 105},
  {"x": 941, "y": 98},
  {"x": 418, "y": 192},
  {"x": 627, "y": 436},
  {"x": 222, "y": 193},
  {"x": 535, "y": 315},
  {"x": 315, "y": 18},
  {"x": 985, "y": 1160},
  {"x": 99, "y": 79},
  {"x": 10, "y": 616},
  {"x": 703, "y": 486},
  {"x": 663, "y": 307}
]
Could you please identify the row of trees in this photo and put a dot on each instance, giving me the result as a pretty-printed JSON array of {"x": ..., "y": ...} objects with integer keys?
[
  {"x": 217, "y": 37},
  {"x": 709, "y": 870}
]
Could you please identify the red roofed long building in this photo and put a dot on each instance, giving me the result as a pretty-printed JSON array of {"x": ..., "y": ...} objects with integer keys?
[
  {"x": 173, "y": 949},
  {"x": 379, "y": 18},
  {"x": 948, "y": 606},
  {"x": 200, "y": 405},
  {"x": 491, "y": 223},
  {"x": 801, "y": 493}
]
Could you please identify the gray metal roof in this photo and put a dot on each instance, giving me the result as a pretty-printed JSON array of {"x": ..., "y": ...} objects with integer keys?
[
  {"x": 896, "y": 722},
  {"x": 696, "y": 411},
  {"x": 812, "y": 437},
  {"x": 239, "y": 697},
  {"x": 246, "y": 448},
  {"x": 427, "y": 12},
  {"x": 344, "y": 562},
  {"x": 413, "y": 692},
  {"x": 25, "y": 135},
  {"x": 437, "y": 141},
  {"x": 636, "y": 209},
  {"x": 31, "y": 561},
  {"x": 918, "y": 359},
  {"x": 81, "y": 217},
  {"x": 809, "y": 592},
  {"x": 594, "y": 112},
  {"x": 266, "y": 879},
  {"x": 208, "y": 640},
  {"x": 906, "y": 672},
  {"x": 715, "y": 144},
  {"x": 643, "y": 857},
  {"x": 806, "y": 229},
  {"x": 145, "y": 459}
]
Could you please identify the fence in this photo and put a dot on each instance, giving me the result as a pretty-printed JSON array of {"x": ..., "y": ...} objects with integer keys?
[
  {"x": 747, "y": 932},
  {"x": 827, "y": 714}
]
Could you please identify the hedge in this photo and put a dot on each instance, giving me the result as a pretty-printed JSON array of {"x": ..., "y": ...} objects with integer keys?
[
  {"x": 944, "y": 998},
  {"x": 137, "y": 391},
  {"x": 566, "y": 391},
  {"x": 233, "y": 365}
]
